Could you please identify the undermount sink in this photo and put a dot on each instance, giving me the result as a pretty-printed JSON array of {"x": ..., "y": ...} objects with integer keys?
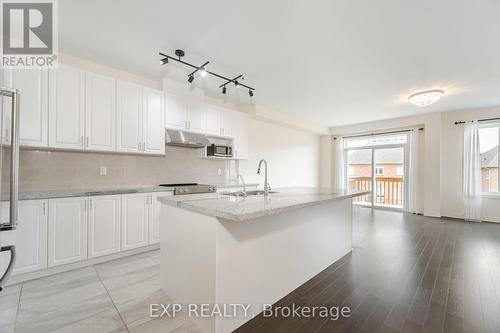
[{"x": 249, "y": 193}]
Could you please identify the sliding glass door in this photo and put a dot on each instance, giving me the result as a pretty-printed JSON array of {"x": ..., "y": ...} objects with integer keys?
[{"x": 377, "y": 164}]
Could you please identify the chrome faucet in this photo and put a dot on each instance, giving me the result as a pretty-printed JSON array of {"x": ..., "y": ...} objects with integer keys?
[
  {"x": 266, "y": 184},
  {"x": 244, "y": 185}
]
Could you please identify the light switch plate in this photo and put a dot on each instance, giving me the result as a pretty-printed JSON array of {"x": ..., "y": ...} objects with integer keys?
[{"x": 103, "y": 171}]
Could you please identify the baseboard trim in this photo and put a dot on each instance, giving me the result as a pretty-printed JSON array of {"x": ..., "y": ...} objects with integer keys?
[{"x": 15, "y": 279}]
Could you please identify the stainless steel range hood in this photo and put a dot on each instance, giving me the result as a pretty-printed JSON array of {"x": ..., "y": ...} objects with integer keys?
[{"x": 186, "y": 139}]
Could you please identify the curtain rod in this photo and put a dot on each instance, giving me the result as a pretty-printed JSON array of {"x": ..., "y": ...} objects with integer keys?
[
  {"x": 480, "y": 120},
  {"x": 375, "y": 134}
]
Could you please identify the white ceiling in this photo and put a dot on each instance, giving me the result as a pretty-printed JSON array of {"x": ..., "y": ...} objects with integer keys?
[{"x": 334, "y": 61}]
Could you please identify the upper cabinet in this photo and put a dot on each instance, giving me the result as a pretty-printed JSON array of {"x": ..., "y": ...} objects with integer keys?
[
  {"x": 153, "y": 120},
  {"x": 33, "y": 87},
  {"x": 214, "y": 120},
  {"x": 186, "y": 112},
  {"x": 129, "y": 108},
  {"x": 67, "y": 108},
  {"x": 100, "y": 112}
]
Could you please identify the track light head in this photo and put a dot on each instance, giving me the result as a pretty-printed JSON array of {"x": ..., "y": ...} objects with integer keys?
[
  {"x": 250, "y": 92},
  {"x": 203, "y": 72},
  {"x": 164, "y": 61},
  {"x": 224, "y": 90},
  {"x": 190, "y": 78},
  {"x": 236, "y": 84}
]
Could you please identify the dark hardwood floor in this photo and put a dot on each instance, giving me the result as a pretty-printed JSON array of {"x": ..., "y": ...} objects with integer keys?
[{"x": 407, "y": 273}]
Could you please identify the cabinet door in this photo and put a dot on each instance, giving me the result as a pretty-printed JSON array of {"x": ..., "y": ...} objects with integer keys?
[
  {"x": 67, "y": 230},
  {"x": 154, "y": 118},
  {"x": 214, "y": 121},
  {"x": 66, "y": 108},
  {"x": 33, "y": 119},
  {"x": 104, "y": 225},
  {"x": 129, "y": 110},
  {"x": 30, "y": 237},
  {"x": 228, "y": 123},
  {"x": 197, "y": 116},
  {"x": 240, "y": 143},
  {"x": 135, "y": 211},
  {"x": 176, "y": 111},
  {"x": 154, "y": 216},
  {"x": 100, "y": 111}
]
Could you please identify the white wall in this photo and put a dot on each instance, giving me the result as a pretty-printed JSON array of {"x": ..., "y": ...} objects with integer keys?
[{"x": 292, "y": 155}]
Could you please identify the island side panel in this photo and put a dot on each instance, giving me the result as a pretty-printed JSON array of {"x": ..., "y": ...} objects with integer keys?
[
  {"x": 188, "y": 260},
  {"x": 260, "y": 261}
]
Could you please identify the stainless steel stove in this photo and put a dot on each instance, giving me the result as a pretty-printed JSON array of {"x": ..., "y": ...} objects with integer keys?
[{"x": 191, "y": 188}]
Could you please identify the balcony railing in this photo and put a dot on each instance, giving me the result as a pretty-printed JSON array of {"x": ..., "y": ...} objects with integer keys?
[{"x": 389, "y": 191}]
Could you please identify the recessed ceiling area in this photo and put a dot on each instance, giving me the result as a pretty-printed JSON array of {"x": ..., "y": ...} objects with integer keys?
[{"x": 334, "y": 62}]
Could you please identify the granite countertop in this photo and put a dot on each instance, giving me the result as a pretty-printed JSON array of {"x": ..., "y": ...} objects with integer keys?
[
  {"x": 51, "y": 194},
  {"x": 246, "y": 208},
  {"x": 67, "y": 193}
]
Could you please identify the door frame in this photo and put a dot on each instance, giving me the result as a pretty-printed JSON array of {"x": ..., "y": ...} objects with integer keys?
[{"x": 373, "y": 180}]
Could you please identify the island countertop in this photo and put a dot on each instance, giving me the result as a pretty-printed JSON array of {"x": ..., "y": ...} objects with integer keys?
[{"x": 240, "y": 209}]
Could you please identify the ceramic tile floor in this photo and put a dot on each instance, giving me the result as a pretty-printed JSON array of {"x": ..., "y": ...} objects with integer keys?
[{"x": 109, "y": 297}]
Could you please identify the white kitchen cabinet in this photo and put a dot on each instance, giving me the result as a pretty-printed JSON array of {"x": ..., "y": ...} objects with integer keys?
[
  {"x": 67, "y": 108},
  {"x": 214, "y": 120},
  {"x": 104, "y": 224},
  {"x": 33, "y": 118},
  {"x": 154, "y": 216},
  {"x": 186, "y": 112},
  {"x": 30, "y": 237},
  {"x": 135, "y": 215},
  {"x": 153, "y": 120},
  {"x": 129, "y": 116},
  {"x": 100, "y": 112},
  {"x": 228, "y": 123},
  {"x": 176, "y": 111},
  {"x": 197, "y": 117},
  {"x": 67, "y": 236},
  {"x": 240, "y": 141}
]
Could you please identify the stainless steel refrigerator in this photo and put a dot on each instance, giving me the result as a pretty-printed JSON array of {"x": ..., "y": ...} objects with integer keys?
[{"x": 9, "y": 178}]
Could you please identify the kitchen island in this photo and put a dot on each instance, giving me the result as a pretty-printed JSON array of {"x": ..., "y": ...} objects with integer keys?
[{"x": 228, "y": 250}]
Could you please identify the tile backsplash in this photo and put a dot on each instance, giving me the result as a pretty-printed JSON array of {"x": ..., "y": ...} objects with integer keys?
[{"x": 50, "y": 170}]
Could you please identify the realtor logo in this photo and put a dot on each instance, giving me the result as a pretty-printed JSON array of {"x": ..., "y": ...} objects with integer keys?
[{"x": 29, "y": 38}]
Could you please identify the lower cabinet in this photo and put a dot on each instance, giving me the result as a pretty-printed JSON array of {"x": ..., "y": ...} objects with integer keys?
[
  {"x": 67, "y": 230},
  {"x": 61, "y": 231},
  {"x": 30, "y": 237},
  {"x": 135, "y": 220},
  {"x": 104, "y": 221}
]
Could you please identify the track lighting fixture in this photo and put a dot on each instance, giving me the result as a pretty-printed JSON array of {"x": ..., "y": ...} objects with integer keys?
[{"x": 203, "y": 71}]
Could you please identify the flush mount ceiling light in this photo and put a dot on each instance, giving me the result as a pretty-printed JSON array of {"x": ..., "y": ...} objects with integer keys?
[
  {"x": 204, "y": 72},
  {"x": 425, "y": 98}
]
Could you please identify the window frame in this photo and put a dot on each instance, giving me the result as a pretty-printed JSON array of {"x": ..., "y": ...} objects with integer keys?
[{"x": 497, "y": 193}]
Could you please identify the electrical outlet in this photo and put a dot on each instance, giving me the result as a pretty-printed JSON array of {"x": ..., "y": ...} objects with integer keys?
[
  {"x": 219, "y": 172},
  {"x": 103, "y": 171}
]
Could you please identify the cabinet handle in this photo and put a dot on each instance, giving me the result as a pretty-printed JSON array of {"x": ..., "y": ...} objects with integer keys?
[
  {"x": 90, "y": 204},
  {"x": 43, "y": 208},
  {"x": 87, "y": 141},
  {"x": 85, "y": 206}
]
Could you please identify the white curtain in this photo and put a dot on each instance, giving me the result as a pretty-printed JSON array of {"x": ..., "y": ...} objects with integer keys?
[
  {"x": 338, "y": 158},
  {"x": 414, "y": 204},
  {"x": 472, "y": 172}
]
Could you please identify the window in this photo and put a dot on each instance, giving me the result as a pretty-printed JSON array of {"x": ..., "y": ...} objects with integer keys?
[
  {"x": 379, "y": 171},
  {"x": 488, "y": 141},
  {"x": 400, "y": 171}
]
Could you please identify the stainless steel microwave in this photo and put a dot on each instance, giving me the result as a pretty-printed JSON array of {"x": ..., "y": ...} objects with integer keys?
[{"x": 219, "y": 150}]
